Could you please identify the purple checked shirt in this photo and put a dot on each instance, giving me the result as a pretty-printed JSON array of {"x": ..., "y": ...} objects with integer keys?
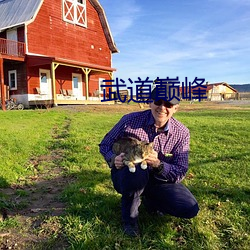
[{"x": 172, "y": 144}]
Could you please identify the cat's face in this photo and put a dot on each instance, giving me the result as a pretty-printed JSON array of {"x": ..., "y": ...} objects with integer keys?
[{"x": 146, "y": 148}]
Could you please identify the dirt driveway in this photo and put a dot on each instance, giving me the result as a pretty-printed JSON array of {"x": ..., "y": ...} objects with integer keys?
[{"x": 127, "y": 108}]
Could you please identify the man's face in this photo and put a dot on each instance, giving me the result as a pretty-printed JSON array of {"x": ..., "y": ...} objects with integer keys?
[{"x": 162, "y": 111}]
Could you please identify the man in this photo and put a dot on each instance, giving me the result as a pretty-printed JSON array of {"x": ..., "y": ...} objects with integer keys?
[{"x": 160, "y": 184}]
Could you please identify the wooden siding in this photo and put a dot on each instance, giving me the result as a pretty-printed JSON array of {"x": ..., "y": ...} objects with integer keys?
[
  {"x": 21, "y": 77},
  {"x": 221, "y": 89},
  {"x": 63, "y": 77},
  {"x": 94, "y": 86},
  {"x": 33, "y": 78},
  {"x": 20, "y": 34},
  {"x": 49, "y": 35}
]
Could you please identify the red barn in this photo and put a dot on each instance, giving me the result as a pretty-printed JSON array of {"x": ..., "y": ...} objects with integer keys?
[{"x": 55, "y": 52}]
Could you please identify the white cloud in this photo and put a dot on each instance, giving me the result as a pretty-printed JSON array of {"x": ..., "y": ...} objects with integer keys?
[
  {"x": 122, "y": 16},
  {"x": 214, "y": 44}
]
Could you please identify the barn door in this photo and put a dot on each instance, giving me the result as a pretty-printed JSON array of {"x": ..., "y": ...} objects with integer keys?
[
  {"x": 12, "y": 48},
  {"x": 77, "y": 85},
  {"x": 45, "y": 83}
]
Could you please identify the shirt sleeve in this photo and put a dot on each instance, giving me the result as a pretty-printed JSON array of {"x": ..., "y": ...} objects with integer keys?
[
  {"x": 175, "y": 171},
  {"x": 106, "y": 144}
]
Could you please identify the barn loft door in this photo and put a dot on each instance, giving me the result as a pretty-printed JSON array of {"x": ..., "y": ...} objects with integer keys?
[
  {"x": 12, "y": 46},
  {"x": 74, "y": 11}
]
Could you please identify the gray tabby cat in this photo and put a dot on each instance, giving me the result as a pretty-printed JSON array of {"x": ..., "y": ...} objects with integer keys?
[{"x": 135, "y": 151}]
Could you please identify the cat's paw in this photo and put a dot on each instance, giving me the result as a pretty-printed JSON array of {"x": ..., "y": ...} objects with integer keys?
[
  {"x": 144, "y": 166},
  {"x": 132, "y": 170}
]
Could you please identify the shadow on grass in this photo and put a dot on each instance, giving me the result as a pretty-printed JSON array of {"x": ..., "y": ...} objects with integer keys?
[
  {"x": 94, "y": 219},
  {"x": 214, "y": 159},
  {"x": 3, "y": 182},
  {"x": 217, "y": 193}
]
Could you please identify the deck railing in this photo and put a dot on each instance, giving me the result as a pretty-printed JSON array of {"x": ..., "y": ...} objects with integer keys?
[{"x": 12, "y": 48}]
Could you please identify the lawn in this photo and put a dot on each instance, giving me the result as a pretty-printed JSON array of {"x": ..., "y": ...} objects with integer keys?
[{"x": 218, "y": 176}]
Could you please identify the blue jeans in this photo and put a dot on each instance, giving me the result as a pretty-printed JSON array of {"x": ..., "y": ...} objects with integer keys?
[{"x": 168, "y": 198}]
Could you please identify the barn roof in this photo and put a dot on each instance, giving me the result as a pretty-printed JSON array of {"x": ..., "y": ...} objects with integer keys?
[
  {"x": 18, "y": 12},
  {"x": 105, "y": 25},
  {"x": 209, "y": 87}
]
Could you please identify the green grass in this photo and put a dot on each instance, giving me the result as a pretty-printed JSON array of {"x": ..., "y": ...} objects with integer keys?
[
  {"x": 24, "y": 135},
  {"x": 218, "y": 176}
]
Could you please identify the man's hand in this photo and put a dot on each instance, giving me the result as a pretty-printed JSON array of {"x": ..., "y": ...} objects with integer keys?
[
  {"x": 119, "y": 161},
  {"x": 153, "y": 160}
]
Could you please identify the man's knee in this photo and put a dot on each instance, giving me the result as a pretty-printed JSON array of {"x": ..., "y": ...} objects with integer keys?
[
  {"x": 189, "y": 212},
  {"x": 126, "y": 182}
]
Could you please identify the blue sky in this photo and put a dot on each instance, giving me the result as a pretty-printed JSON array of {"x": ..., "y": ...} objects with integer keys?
[{"x": 186, "y": 38}]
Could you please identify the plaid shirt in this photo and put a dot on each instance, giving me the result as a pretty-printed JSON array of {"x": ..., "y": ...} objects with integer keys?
[{"x": 172, "y": 145}]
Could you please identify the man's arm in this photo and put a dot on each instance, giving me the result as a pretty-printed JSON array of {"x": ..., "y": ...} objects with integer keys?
[
  {"x": 106, "y": 144},
  {"x": 176, "y": 170}
]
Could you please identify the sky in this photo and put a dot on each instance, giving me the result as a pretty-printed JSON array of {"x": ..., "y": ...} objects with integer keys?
[{"x": 207, "y": 39}]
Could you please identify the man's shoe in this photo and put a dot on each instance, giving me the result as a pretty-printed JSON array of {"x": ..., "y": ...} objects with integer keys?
[{"x": 131, "y": 230}]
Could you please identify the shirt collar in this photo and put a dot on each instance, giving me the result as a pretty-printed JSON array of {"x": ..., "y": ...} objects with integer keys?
[
  {"x": 167, "y": 126},
  {"x": 151, "y": 122}
]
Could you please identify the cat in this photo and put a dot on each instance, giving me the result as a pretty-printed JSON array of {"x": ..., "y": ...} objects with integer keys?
[{"x": 135, "y": 151}]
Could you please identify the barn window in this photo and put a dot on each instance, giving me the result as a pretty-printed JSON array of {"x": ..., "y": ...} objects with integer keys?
[
  {"x": 101, "y": 83},
  {"x": 12, "y": 80},
  {"x": 74, "y": 11}
]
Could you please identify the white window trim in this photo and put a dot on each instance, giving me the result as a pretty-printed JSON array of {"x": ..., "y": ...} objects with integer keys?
[
  {"x": 75, "y": 18},
  {"x": 99, "y": 91},
  {"x": 9, "y": 73},
  {"x": 101, "y": 83}
]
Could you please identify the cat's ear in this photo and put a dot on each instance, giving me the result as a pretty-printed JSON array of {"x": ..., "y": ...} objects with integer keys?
[{"x": 151, "y": 144}]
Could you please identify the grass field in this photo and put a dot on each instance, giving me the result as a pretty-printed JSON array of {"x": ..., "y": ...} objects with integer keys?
[{"x": 64, "y": 141}]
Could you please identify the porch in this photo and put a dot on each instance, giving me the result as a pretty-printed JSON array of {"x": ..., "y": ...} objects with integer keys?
[
  {"x": 11, "y": 49},
  {"x": 50, "y": 103},
  {"x": 66, "y": 97}
]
